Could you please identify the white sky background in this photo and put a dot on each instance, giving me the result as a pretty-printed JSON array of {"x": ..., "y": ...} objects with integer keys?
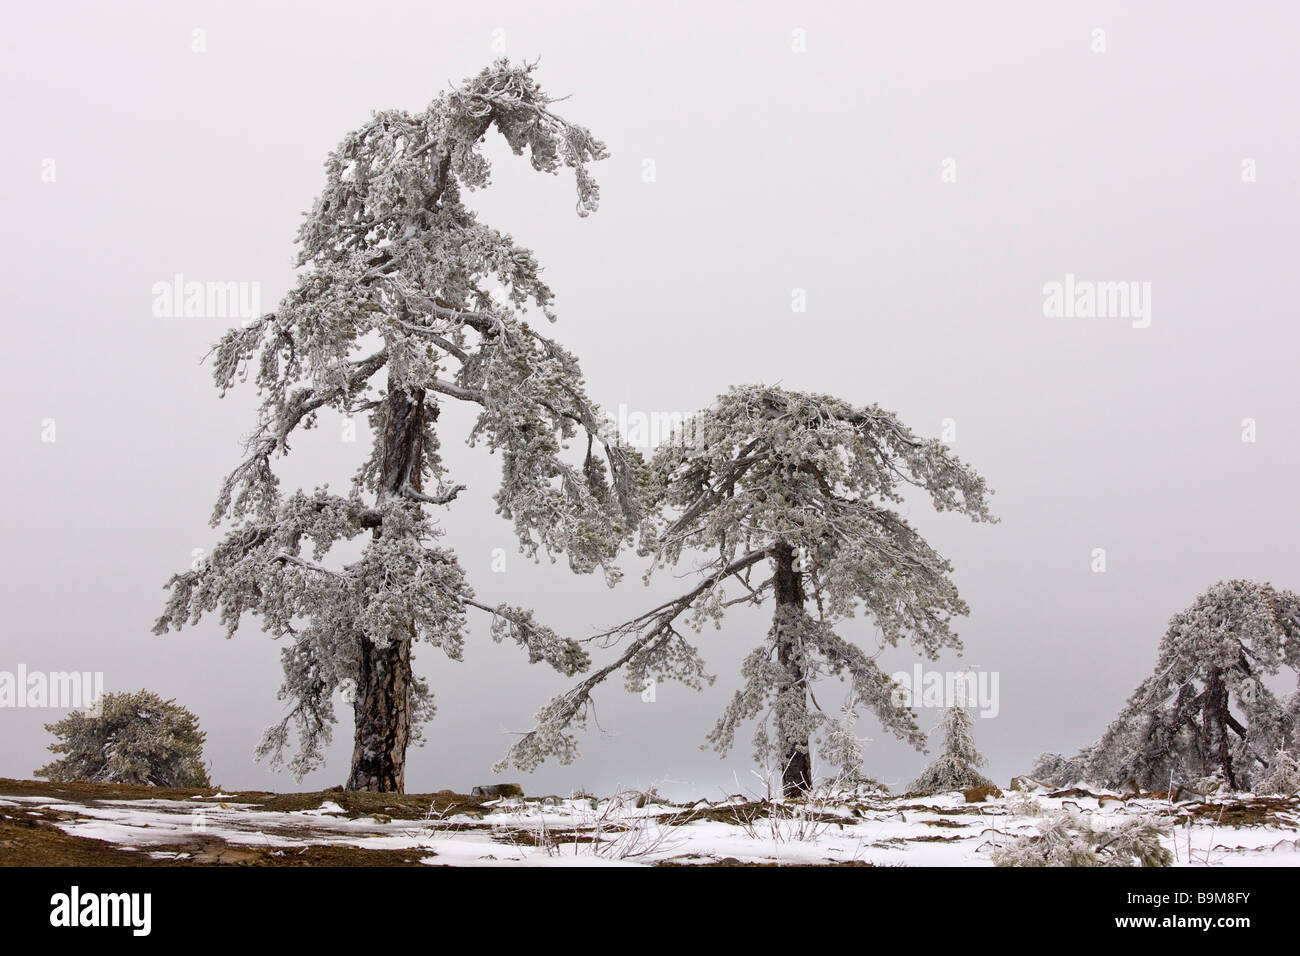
[{"x": 775, "y": 171}]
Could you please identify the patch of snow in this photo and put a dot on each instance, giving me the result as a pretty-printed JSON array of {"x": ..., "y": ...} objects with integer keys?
[{"x": 940, "y": 830}]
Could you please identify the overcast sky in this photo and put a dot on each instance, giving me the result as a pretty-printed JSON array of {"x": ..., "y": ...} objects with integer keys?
[{"x": 921, "y": 171}]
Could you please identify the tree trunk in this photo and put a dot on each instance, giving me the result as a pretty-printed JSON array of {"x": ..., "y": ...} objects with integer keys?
[
  {"x": 383, "y": 718},
  {"x": 796, "y": 771},
  {"x": 1216, "y": 748},
  {"x": 382, "y": 707}
]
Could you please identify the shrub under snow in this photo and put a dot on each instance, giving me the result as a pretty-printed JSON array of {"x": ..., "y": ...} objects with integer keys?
[{"x": 1069, "y": 838}]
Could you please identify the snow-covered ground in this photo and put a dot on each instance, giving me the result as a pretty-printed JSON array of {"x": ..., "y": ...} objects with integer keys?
[{"x": 942, "y": 830}]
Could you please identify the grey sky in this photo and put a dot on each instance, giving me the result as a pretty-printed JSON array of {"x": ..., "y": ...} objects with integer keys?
[{"x": 775, "y": 170}]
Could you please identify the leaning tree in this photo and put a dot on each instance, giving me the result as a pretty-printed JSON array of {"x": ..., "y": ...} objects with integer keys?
[
  {"x": 805, "y": 486},
  {"x": 405, "y": 301},
  {"x": 1205, "y": 711}
]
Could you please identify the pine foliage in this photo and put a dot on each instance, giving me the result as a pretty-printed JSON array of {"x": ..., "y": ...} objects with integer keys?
[
  {"x": 1070, "y": 838},
  {"x": 135, "y": 738}
]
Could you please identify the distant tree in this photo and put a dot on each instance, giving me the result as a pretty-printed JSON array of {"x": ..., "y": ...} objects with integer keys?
[
  {"x": 1057, "y": 769},
  {"x": 399, "y": 277},
  {"x": 957, "y": 767},
  {"x": 134, "y": 738},
  {"x": 803, "y": 484},
  {"x": 1283, "y": 775},
  {"x": 1205, "y": 711}
]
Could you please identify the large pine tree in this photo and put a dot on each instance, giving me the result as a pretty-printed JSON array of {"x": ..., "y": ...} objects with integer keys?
[
  {"x": 805, "y": 485},
  {"x": 405, "y": 301}
]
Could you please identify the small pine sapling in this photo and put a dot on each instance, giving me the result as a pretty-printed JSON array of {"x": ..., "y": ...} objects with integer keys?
[
  {"x": 956, "y": 767},
  {"x": 1069, "y": 838},
  {"x": 1283, "y": 777}
]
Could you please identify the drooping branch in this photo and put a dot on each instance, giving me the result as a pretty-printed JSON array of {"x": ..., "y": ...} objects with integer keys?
[
  {"x": 543, "y": 644},
  {"x": 550, "y": 735}
]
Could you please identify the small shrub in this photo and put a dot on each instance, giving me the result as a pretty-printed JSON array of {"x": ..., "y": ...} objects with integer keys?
[
  {"x": 134, "y": 738},
  {"x": 1068, "y": 838}
]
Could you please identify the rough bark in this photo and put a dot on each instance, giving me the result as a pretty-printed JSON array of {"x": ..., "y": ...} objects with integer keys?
[
  {"x": 796, "y": 773},
  {"x": 383, "y": 718},
  {"x": 1216, "y": 751},
  {"x": 382, "y": 707}
]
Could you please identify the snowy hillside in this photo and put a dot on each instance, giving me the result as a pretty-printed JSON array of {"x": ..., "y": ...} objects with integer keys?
[{"x": 54, "y": 823}]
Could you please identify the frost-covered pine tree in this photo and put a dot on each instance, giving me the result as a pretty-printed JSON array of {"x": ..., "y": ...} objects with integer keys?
[
  {"x": 804, "y": 486},
  {"x": 957, "y": 767},
  {"x": 406, "y": 301},
  {"x": 1205, "y": 711},
  {"x": 136, "y": 738},
  {"x": 843, "y": 749}
]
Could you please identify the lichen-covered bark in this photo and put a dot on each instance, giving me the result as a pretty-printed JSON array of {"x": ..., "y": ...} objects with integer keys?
[{"x": 403, "y": 441}]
